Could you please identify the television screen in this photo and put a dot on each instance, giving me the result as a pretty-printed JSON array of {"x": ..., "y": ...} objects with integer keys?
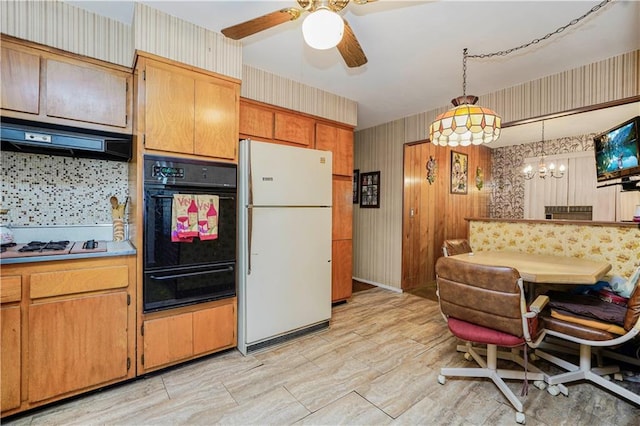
[{"x": 617, "y": 151}]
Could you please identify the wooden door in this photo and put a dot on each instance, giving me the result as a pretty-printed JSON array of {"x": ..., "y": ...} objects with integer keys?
[
  {"x": 169, "y": 109},
  {"x": 20, "y": 82},
  {"x": 342, "y": 270},
  {"x": 76, "y": 344},
  {"x": 84, "y": 93},
  {"x": 10, "y": 357},
  {"x": 167, "y": 340},
  {"x": 256, "y": 121},
  {"x": 214, "y": 328},
  {"x": 216, "y": 119},
  {"x": 294, "y": 128},
  {"x": 340, "y": 142}
]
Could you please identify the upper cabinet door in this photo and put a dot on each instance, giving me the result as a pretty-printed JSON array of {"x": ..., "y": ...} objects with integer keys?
[
  {"x": 340, "y": 142},
  {"x": 294, "y": 128},
  {"x": 20, "y": 83},
  {"x": 216, "y": 119},
  {"x": 169, "y": 110},
  {"x": 87, "y": 94},
  {"x": 256, "y": 121}
]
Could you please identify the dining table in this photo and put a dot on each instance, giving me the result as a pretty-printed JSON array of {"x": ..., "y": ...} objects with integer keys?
[{"x": 543, "y": 268}]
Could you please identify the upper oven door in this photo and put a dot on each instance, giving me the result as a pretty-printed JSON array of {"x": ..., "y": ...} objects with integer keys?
[{"x": 160, "y": 252}]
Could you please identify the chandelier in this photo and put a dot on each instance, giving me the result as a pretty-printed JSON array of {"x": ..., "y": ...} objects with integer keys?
[
  {"x": 543, "y": 170},
  {"x": 465, "y": 123},
  {"x": 468, "y": 124}
]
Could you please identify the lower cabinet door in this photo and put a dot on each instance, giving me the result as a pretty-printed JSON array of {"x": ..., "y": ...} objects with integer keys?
[
  {"x": 10, "y": 358},
  {"x": 76, "y": 344},
  {"x": 167, "y": 340},
  {"x": 214, "y": 329}
]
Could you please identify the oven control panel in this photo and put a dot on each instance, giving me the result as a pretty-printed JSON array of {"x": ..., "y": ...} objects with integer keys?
[{"x": 167, "y": 172}]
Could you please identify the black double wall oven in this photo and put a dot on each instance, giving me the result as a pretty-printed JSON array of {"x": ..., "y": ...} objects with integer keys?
[{"x": 184, "y": 273}]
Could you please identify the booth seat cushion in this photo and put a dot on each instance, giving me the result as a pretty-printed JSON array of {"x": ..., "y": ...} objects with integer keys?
[
  {"x": 599, "y": 325},
  {"x": 587, "y": 306},
  {"x": 476, "y": 333}
]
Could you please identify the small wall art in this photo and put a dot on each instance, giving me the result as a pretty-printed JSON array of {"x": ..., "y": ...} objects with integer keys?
[
  {"x": 370, "y": 189},
  {"x": 431, "y": 166},
  {"x": 459, "y": 173}
]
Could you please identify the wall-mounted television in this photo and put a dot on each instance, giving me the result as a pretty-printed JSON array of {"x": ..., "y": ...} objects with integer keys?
[{"x": 617, "y": 151}]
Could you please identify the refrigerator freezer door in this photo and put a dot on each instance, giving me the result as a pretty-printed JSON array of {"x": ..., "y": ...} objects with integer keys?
[
  {"x": 289, "y": 286},
  {"x": 288, "y": 176}
]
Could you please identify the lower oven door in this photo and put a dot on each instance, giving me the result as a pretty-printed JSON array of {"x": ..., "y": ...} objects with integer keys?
[{"x": 164, "y": 289}]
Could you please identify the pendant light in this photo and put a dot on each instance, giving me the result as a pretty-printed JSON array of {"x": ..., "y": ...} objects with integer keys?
[{"x": 465, "y": 124}]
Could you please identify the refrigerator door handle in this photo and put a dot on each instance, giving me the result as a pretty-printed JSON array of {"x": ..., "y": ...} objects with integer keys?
[{"x": 249, "y": 229}]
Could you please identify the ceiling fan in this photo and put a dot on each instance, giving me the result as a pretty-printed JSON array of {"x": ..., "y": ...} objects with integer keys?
[{"x": 348, "y": 46}]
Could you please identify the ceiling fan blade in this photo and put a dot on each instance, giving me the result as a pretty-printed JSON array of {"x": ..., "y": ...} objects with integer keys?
[
  {"x": 261, "y": 23},
  {"x": 350, "y": 48}
]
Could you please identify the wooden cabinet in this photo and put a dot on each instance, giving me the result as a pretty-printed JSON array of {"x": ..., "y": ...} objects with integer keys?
[
  {"x": 10, "y": 339},
  {"x": 187, "y": 111},
  {"x": 277, "y": 125},
  {"x": 75, "y": 322},
  {"x": 75, "y": 344},
  {"x": 171, "y": 337},
  {"x": 43, "y": 84},
  {"x": 342, "y": 270},
  {"x": 339, "y": 141}
]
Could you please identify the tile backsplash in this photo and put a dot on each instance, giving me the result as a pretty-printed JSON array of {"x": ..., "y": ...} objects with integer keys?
[{"x": 45, "y": 190}]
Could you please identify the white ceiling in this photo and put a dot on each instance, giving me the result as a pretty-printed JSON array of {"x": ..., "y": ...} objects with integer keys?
[{"x": 415, "y": 47}]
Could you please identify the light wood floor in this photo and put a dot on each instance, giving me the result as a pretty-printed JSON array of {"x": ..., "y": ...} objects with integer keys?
[{"x": 377, "y": 364}]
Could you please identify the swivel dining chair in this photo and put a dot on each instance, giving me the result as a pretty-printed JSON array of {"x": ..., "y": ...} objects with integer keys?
[
  {"x": 486, "y": 305},
  {"x": 456, "y": 246},
  {"x": 590, "y": 334}
]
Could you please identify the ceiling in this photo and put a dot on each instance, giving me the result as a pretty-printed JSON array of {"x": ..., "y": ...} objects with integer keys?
[{"x": 415, "y": 48}]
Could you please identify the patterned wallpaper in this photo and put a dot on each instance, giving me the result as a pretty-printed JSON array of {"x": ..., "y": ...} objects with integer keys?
[
  {"x": 507, "y": 188},
  {"x": 619, "y": 246},
  {"x": 44, "y": 190}
]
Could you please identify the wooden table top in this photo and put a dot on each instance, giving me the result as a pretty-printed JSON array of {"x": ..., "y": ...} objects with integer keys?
[{"x": 542, "y": 268}]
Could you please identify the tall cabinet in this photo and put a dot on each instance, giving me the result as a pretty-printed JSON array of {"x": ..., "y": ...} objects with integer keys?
[
  {"x": 185, "y": 112},
  {"x": 277, "y": 125}
]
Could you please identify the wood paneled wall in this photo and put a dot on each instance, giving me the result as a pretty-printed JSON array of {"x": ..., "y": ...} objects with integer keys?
[{"x": 431, "y": 213}]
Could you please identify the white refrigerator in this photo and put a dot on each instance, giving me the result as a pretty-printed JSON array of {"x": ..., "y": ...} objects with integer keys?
[{"x": 284, "y": 235}]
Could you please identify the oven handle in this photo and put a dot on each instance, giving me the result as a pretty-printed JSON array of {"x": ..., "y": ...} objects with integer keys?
[
  {"x": 190, "y": 274},
  {"x": 171, "y": 196}
]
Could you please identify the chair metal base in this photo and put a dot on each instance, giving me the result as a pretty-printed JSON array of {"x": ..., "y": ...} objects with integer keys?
[
  {"x": 489, "y": 370},
  {"x": 584, "y": 371}
]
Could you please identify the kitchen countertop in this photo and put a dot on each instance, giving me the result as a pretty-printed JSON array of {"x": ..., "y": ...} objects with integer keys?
[{"x": 114, "y": 248}]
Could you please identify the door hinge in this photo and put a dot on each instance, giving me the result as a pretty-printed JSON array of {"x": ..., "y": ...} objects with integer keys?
[
  {"x": 144, "y": 75},
  {"x": 144, "y": 139},
  {"x": 128, "y": 363},
  {"x": 142, "y": 359},
  {"x": 128, "y": 299},
  {"x": 142, "y": 330},
  {"x": 126, "y": 86}
]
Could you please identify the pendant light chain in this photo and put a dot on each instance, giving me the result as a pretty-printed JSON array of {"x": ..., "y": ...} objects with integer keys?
[
  {"x": 464, "y": 72},
  {"x": 538, "y": 40}
]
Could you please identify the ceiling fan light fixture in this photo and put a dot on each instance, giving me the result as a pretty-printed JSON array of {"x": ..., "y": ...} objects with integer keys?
[{"x": 323, "y": 29}]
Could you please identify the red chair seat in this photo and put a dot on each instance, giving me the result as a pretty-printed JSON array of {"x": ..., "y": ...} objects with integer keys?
[{"x": 476, "y": 333}]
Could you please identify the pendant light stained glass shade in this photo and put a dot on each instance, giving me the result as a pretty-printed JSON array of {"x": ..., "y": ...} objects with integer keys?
[{"x": 465, "y": 124}]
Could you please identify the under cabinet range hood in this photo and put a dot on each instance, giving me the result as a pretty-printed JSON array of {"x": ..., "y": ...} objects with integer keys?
[{"x": 41, "y": 138}]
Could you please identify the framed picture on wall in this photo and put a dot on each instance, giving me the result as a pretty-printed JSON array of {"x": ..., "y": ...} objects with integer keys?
[
  {"x": 459, "y": 173},
  {"x": 370, "y": 189},
  {"x": 356, "y": 179}
]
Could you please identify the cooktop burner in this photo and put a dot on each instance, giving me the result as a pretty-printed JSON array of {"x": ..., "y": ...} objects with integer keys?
[{"x": 42, "y": 246}]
